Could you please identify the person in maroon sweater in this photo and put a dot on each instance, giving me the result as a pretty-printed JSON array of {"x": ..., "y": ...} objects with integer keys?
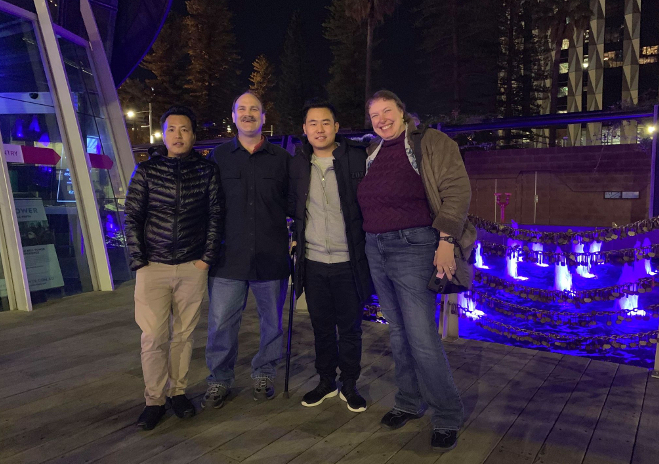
[{"x": 412, "y": 221}]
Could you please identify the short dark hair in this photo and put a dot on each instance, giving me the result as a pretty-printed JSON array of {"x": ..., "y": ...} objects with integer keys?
[
  {"x": 317, "y": 103},
  {"x": 180, "y": 111},
  {"x": 247, "y": 92}
]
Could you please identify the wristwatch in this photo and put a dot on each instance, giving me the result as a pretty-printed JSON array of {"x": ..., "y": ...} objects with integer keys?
[{"x": 449, "y": 239}]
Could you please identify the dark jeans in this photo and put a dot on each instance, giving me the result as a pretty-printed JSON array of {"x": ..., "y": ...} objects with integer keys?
[
  {"x": 334, "y": 304},
  {"x": 401, "y": 266}
]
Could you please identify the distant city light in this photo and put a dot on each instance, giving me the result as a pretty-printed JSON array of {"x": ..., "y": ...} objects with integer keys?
[
  {"x": 130, "y": 114},
  {"x": 157, "y": 135},
  {"x": 651, "y": 129}
]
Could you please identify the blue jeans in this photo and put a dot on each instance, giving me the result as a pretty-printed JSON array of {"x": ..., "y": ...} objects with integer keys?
[
  {"x": 401, "y": 266},
  {"x": 227, "y": 302}
]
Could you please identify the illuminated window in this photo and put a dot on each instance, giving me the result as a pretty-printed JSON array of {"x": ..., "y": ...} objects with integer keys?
[
  {"x": 562, "y": 91},
  {"x": 565, "y": 68},
  {"x": 652, "y": 50},
  {"x": 613, "y": 59},
  {"x": 566, "y": 44}
]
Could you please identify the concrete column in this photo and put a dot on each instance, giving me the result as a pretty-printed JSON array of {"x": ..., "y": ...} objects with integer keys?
[
  {"x": 575, "y": 85},
  {"x": 595, "y": 69}
]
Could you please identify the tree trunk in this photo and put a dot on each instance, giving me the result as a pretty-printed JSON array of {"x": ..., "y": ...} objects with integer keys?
[
  {"x": 553, "y": 96},
  {"x": 456, "y": 56},
  {"x": 369, "y": 56}
]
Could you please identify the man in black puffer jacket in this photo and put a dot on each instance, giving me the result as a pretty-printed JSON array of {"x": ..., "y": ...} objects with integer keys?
[{"x": 174, "y": 226}]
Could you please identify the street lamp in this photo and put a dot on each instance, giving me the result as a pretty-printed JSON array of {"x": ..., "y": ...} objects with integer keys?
[
  {"x": 157, "y": 135},
  {"x": 130, "y": 114}
]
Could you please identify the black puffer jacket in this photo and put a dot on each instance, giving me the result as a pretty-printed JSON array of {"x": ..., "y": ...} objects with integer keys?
[
  {"x": 174, "y": 211},
  {"x": 350, "y": 168}
]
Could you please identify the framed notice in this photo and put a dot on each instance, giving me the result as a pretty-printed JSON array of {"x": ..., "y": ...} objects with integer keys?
[{"x": 41, "y": 263}]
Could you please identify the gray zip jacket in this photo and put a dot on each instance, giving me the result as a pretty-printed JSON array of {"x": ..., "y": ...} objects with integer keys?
[{"x": 325, "y": 233}]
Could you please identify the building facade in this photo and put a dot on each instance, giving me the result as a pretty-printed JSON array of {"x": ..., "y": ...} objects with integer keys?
[
  {"x": 614, "y": 64},
  {"x": 66, "y": 158}
]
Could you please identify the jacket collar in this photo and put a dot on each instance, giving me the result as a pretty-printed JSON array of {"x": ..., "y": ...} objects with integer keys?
[
  {"x": 374, "y": 147},
  {"x": 307, "y": 150},
  {"x": 192, "y": 156}
]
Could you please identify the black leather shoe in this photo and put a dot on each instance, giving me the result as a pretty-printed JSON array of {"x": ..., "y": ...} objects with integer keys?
[
  {"x": 444, "y": 440},
  {"x": 150, "y": 417},
  {"x": 395, "y": 419},
  {"x": 182, "y": 406}
]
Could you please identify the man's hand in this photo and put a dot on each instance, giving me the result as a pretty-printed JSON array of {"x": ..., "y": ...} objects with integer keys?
[{"x": 199, "y": 264}]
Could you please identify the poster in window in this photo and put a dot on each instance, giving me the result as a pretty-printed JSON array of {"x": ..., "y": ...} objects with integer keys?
[{"x": 41, "y": 263}]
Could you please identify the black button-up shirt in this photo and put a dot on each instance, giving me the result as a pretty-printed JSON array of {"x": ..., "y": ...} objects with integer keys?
[{"x": 256, "y": 191}]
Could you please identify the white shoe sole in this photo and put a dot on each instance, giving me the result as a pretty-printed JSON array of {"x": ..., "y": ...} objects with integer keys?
[
  {"x": 362, "y": 409},
  {"x": 329, "y": 395}
]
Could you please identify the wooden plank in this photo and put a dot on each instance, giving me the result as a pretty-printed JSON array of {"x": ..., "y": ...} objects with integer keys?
[
  {"x": 613, "y": 440},
  {"x": 572, "y": 432},
  {"x": 523, "y": 441},
  {"x": 72, "y": 439},
  {"x": 490, "y": 419},
  {"x": 351, "y": 434},
  {"x": 646, "y": 448},
  {"x": 385, "y": 443},
  {"x": 122, "y": 442},
  {"x": 268, "y": 428},
  {"x": 285, "y": 449},
  {"x": 482, "y": 434}
]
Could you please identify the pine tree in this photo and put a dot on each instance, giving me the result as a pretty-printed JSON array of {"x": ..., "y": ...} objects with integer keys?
[
  {"x": 371, "y": 13},
  {"x": 262, "y": 78},
  {"x": 168, "y": 61},
  {"x": 214, "y": 63},
  {"x": 347, "y": 72},
  {"x": 459, "y": 50},
  {"x": 297, "y": 81},
  {"x": 134, "y": 95},
  {"x": 262, "y": 84}
]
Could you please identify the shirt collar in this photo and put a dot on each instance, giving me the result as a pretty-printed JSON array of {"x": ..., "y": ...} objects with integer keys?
[{"x": 263, "y": 145}]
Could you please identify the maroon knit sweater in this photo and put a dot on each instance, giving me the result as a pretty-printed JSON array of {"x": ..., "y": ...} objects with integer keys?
[{"x": 391, "y": 195}]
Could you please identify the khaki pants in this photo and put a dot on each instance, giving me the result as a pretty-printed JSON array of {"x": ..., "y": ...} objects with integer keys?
[{"x": 167, "y": 307}]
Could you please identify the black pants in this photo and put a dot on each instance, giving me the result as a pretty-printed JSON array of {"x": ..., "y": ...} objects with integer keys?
[{"x": 334, "y": 304}]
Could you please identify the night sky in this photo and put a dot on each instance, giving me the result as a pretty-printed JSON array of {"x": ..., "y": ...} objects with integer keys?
[{"x": 260, "y": 26}]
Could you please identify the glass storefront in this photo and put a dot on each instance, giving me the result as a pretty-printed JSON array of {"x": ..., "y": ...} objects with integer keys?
[
  {"x": 53, "y": 227},
  {"x": 96, "y": 134}
]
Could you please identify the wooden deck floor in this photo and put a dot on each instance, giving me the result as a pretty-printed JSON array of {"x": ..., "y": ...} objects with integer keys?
[{"x": 71, "y": 389}]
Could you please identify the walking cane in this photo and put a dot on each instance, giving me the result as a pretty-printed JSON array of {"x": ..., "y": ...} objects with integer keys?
[{"x": 290, "y": 323}]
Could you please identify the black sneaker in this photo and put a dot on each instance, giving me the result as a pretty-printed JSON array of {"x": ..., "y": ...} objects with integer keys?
[
  {"x": 182, "y": 406},
  {"x": 395, "y": 419},
  {"x": 150, "y": 417},
  {"x": 349, "y": 394},
  {"x": 215, "y": 395},
  {"x": 263, "y": 389},
  {"x": 325, "y": 389},
  {"x": 444, "y": 440}
]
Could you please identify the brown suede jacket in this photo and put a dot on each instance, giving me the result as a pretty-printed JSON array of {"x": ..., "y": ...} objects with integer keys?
[{"x": 447, "y": 188}]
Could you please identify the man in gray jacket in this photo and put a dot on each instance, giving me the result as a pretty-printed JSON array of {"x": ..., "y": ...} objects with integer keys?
[{"x": 331, "y": 265}]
